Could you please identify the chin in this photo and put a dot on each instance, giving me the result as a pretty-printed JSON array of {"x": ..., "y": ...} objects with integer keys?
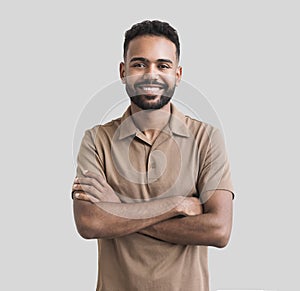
[
  {"x": 151, "y": 97},
  {"x": 147, "y": 101}
]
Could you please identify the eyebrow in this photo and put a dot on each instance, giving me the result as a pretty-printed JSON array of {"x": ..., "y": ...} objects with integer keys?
[{"x": 147, "y": 61}]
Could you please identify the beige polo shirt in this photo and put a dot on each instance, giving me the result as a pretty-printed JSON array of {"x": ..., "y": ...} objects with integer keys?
[{"x": 187, "y": 158}]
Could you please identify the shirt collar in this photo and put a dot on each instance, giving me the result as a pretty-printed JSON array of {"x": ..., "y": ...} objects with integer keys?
[
  {"x": 176, "y": 124},
  {"x": 130, "y": 128}
]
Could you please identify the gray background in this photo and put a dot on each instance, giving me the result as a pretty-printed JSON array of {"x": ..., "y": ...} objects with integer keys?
[{"x": 243, "y": 55}]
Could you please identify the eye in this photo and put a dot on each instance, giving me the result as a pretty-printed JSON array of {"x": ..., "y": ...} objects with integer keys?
[
  {"x": 139, "y": 65},
  {"x": 164, "y": 66}
]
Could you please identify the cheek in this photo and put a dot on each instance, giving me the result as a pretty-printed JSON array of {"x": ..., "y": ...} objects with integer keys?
[
  {"x": 170, "y": 79},
  {"x": 131, "y": 79}
]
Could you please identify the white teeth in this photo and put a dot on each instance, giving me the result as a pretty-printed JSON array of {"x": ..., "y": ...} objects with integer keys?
[{"x": 152, "y": 89}]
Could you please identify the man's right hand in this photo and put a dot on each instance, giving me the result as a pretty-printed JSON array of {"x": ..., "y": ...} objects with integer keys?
[{"x": 190, "y": 206}]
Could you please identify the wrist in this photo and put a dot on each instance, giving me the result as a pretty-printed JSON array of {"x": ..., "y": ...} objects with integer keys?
[{"x": 180, "y": 205}]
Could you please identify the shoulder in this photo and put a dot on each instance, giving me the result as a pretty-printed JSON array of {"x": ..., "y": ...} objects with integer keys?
[
  {"x": 199, "y": 128},
  {"x": 108, "y": 128},
  {"x": 205, "y": 135},
  {"x": 101, "y": 134}
]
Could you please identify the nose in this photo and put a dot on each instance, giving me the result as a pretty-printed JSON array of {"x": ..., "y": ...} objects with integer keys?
[{"x": 151, "y": 72}]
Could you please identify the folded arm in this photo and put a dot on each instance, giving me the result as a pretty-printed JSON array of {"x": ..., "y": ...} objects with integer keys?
[
  {"x": 102, "y": 215},
  {"x": 99, "y": 214},
  {"x": 212, "y": 228}
]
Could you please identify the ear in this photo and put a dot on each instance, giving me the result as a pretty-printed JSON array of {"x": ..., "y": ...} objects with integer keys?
[
  {"x": 178, "y": 75},
  {"x": 122, "y": 72}
]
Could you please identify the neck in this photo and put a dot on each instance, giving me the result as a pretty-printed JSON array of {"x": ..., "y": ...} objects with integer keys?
[{"x": 152, "y": 121}]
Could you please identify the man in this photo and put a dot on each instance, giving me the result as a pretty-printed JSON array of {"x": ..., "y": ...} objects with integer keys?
[{"x": 153, "y": 186}]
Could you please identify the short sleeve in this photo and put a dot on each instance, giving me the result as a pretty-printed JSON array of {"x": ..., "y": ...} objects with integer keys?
[
  {"x": 89, "y": 157},
  {"x": 215, "y": 170}
]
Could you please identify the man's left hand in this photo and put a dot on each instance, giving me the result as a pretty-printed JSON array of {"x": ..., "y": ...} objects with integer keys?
[{"x": 93, "y": 188}]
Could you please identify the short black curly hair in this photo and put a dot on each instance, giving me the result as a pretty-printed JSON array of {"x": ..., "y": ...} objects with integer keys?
[{"x": 152, "y": 27}]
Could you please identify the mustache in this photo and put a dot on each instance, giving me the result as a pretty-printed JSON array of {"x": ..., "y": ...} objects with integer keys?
[{"x": 151, "y": 82}]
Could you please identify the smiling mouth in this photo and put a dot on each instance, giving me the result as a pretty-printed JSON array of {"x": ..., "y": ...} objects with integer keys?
[{"x": 151, "y": 90}]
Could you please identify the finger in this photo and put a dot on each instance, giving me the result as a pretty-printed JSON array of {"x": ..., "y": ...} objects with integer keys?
[
  {"x": 88, "y": 189},
  {"x": 89, "y": 181},
  {"x": 76, "y": 187},
  {"x": 82, "y": 196},
  {"x": 86, "y": 197},
  {"x": 91, "y": 191},
  {"x": 100, "y": 178}
]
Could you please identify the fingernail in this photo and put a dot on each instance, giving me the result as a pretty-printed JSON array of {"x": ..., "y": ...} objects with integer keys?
[
  {"x": 85, "y": 171},
  {"x": 77, "y": 195}
]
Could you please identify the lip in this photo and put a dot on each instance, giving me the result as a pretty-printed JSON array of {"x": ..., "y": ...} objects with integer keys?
[
  {"x": 150, "y": 88},
  {"x": 150, "y": 85}
]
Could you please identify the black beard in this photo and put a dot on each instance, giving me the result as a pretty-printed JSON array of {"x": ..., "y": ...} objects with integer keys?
[{"x": 140, "y": 102}]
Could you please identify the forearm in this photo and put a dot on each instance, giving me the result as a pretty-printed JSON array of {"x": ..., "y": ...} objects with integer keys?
[
  {"x": 203, "y": 229},
  {"x": 109, "y": 220},
  {"x": 212, "y": 228}
]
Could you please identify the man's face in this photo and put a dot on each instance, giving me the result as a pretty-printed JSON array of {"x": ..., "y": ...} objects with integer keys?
[{"x": 150, "y": 71}]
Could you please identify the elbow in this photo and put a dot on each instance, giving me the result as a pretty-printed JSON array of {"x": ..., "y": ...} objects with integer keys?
[
  {"x": 88, "y": 230},
  {"x": 222, "y": 237},
  {"x": 85, "y": 233},
  {"x": 88, "y": 224}
]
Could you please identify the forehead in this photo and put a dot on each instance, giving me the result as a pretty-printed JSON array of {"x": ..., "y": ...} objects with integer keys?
[{"x": 151, "y": 47}]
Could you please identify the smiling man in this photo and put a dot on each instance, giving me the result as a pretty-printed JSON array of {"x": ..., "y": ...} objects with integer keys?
[
  {"x": 153, "y": 186},
  {"x": 150, "y": 82}
]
